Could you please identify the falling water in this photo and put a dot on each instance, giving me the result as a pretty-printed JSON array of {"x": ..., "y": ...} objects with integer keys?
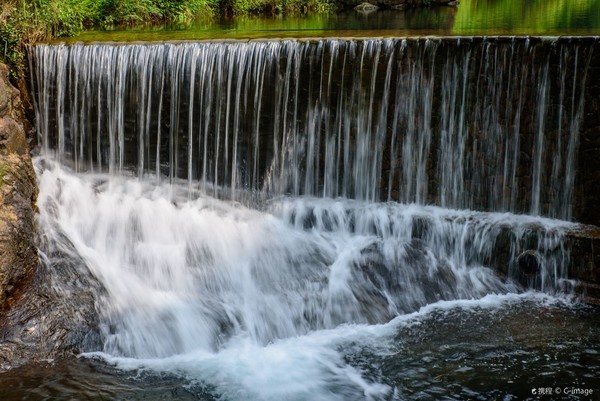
[
  {"x": 266, "y": 305},
  {"x": 237, "y": 202},
  {"x": 477, "y": 124}
]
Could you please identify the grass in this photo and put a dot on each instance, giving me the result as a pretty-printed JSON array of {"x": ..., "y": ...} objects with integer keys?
[
  {"x": 279, "y": 6},
  {"x": 23, "y": 22},
  {"x": 26, "y": 21}
]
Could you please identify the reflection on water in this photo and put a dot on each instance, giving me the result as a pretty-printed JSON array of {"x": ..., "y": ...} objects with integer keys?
[
  {"x": 495, "y": 354},
  {"x": 533, "y": 17},
  {"x": 385, "y": 23},
  {"x": 489, "y": 349},
  {"x": 88, "y": 379},
  {"x": 471, "y": 17}
]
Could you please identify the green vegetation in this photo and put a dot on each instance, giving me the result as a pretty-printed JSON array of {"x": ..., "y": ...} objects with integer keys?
[
  {"x": 27, "y": 21},
  {"x": 279, "y": 6},
  {"x": 541, "y": 16}
]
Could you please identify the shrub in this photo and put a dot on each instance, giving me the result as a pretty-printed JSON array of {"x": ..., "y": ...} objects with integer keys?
[{"x": 27, "y": 21}]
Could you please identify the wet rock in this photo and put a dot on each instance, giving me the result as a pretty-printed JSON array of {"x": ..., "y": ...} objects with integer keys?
[
  {"x": 366, "y": 8},
  {"x": 42, "y": 315},
  {"x": 18, "y": 254},
  {"x": 584, "y": 263},
  {"x": 6, "y": 92},
  {"x": 393, "y": 4},
  {"x": 12, "y": 137},
  {"x": 18, "y": 191},
  {"x": 56, "y": 315},
  {"x": 529, "y": 266},
  {"x": 529, "y": 263}
]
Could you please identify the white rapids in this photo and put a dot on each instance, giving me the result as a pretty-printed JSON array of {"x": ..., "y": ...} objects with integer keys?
[{"x": 266, "y": 303}]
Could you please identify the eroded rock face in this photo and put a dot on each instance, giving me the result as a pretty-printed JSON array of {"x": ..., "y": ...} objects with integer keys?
[
  {"x": 18, "y": 254},
  {"x": 47, "y": 306},
  {"x": 55, "y": 316},
  {"x": 584, "y": 264},
  {"x": 8, "y": 94},
  {"x": 18, "y": 191}
]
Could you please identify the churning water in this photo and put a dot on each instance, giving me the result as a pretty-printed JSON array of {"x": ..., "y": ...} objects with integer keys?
[
  {"x": 302, "y": 299},
  {"x": 237, "y": 205}
]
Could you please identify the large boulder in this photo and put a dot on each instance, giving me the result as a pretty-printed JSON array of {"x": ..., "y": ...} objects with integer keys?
[{"x": 364, "y": 6}]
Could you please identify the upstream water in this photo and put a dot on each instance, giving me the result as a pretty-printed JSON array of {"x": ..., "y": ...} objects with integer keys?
[{"x": 471, "y": 17}]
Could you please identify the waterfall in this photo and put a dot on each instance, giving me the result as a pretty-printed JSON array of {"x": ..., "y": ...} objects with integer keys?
[
  {"x": 262, "y": 217},
  {"x": 333, "y": 263},
  {"x": 484, "y": 124},
  {"x": 266, "y": 304}
]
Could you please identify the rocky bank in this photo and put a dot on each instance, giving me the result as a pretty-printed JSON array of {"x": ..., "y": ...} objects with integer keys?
[
  {"x": 372, "y": 5},
  {"x": 37, "y": 320},
  {"x": 18, "y": 191}
]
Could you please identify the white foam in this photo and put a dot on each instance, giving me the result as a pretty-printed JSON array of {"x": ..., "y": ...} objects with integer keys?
[
  {"x": 299, "y": 368},
  {"x": 263, "y": 305},
  {"x": 309, "y": 366}
]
